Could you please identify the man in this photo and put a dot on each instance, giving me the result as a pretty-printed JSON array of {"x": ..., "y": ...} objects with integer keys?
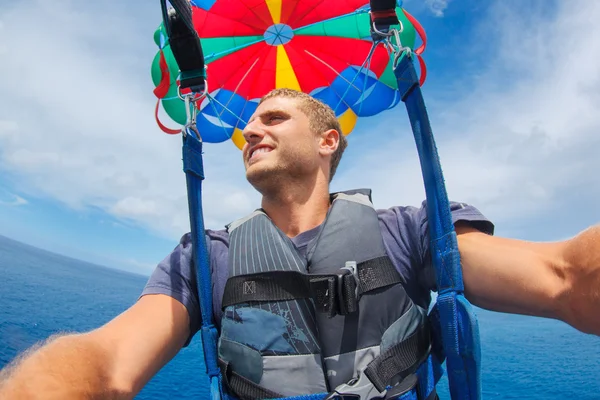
[{"x": 293, "y": 148}]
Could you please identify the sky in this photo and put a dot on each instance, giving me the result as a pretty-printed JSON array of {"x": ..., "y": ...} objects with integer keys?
[{"x": 513, "y": 94}]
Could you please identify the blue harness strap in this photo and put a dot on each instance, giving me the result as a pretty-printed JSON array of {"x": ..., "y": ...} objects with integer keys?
[
  {"x": 458, "y": 324},
  {"x": 188, "y": 54},
  {"x": 193, "y": 168}
]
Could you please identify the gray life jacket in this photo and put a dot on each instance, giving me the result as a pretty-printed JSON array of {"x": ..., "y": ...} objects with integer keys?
[{"x": 295, "y": 325}]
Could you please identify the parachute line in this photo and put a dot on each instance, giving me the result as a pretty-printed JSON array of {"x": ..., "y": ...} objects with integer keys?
[
  {"x": 232, "y": 50},
  {"x": 356, "y": 12},
  {"x": 247, "y": 65},
  {"x": 210, "y": 56},
  {"x": 367, "y": 60},
  {"x": 329, "y": 66},
  {"x": 212, "y": 101},
  {"x": 370, "y": 58},
  {"x": 237, "y": 87}
]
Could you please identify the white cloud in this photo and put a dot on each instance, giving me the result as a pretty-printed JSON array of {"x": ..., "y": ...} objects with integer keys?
[
  {"x": 81, "y": 129},
  {"x": 437, "y": 7},
  {"x": 12, "y": 200},
  {"x": 135, "y": 207},
  {"x": 8, "y": 128},
  {"x": 77, "y": 87},
  {"x": 523, "y": 142}
]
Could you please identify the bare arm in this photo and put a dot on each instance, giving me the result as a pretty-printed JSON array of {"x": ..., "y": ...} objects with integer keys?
[
  {"x": 558, "y": 280},
  {"x": 111, "y": 362}
]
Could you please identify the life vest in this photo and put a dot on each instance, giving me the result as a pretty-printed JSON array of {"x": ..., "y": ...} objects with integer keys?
[{"x": 335, "y": 321}]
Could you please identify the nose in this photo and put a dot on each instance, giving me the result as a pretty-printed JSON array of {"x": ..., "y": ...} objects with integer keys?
[{"x": 253, "y": 132}]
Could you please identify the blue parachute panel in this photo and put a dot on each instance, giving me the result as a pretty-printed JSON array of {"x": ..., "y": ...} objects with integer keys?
[
  {"x": 204, "y": 4},
  {"x": 329, "y": 96},
  {"x": 363, "y": 92},
  {"x": 221, "y": 115}
]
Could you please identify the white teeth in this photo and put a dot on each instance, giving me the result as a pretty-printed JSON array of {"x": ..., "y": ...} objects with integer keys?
[{"x": 260, "y": 150}]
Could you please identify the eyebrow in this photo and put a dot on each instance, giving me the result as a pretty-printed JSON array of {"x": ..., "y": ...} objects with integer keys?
[{"x": 269, "y": 113}]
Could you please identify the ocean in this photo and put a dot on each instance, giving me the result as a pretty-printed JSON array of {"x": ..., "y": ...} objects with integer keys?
[{"x": 43, "y": 293}]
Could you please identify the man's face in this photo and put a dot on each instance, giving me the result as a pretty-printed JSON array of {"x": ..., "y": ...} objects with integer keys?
[{"x": 280, "y": 144}]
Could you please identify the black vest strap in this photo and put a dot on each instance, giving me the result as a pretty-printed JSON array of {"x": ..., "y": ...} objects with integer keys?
[
  {"x": 333, "y": 294},
  {"x": 243, "y": 388},
  {"x": 288, "y": 285},
  {"x": 400, "y": 360},
  {"x": 376, "y": 273}
]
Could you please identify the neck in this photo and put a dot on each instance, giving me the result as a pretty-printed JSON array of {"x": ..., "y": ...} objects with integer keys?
[{"x": 298, "y": 207}]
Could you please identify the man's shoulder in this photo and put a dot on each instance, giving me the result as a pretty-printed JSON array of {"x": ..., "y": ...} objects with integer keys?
[
  {"x": 219, "y": 246},
  {"x": 214, "y": 235},
  {"x": 220, "y": 235},
  {"x": 415, "y": 217}
]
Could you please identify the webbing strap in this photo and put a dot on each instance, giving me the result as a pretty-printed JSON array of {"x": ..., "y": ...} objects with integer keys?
[
  {"x": 333, "y": 293},
  {"x": 383, "y": 12},
  {"x": 185, "y": 44},
  {"x": 400, "y": 360},
  {"x": 242, "y": 387},
  {"x": 186, "y": 48},
  {"x": 377, "y": 272},
  {"x": 280, "y": 286},
  {"x": 428, "y": 375},
  {"x": 183, "y": 9},
  {"x": 193, "y": 168},
  {"x": 461, "y": 342}
]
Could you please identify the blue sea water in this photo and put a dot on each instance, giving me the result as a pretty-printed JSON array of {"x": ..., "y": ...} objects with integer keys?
[{"x": 42, "y": 293}]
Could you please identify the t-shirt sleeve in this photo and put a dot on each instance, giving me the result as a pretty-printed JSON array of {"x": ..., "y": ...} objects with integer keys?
[
  {"x": 175, "y": 276},
  {"x": 461, "y": 212},
  {"x": 407, "y": 241}
]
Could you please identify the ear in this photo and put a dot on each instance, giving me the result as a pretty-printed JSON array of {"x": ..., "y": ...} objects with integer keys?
[{"x": 328, "y": 142}]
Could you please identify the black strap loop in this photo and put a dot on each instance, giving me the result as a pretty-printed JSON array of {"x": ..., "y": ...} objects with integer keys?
[
  {"x": 383, "y": 13},
  {"x": 185, "y": 45},
  {"x": 242, "y": 387},
  {"x": 400, "y": 360}
]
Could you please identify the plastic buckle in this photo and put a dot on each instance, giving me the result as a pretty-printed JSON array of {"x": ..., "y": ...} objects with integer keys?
[
  {"x": 347, "y": 288},
  {"x": 337, "y": 293},
  {"x": 359, "y": 388}
]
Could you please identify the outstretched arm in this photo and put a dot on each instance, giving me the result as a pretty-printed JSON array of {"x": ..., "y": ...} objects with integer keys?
[
  {"x": 111, "y": 362},
  {"x": 558, "y": 280}
]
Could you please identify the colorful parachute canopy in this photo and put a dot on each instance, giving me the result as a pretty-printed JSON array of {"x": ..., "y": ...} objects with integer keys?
[{"x": 323, "y": 48}]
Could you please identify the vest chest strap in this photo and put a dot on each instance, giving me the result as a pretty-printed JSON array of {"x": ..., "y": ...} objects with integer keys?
[{"x": 334, "y": 294}]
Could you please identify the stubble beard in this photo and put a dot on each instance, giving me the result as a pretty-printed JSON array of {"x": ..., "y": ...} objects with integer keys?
[{"x": 272, "y": 180}]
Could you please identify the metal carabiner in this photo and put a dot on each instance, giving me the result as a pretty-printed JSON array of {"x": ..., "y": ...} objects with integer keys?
[
  {"x": 399, "y": 49},
  {"x": 390, "y": 32},
  {"x": 191, "y": 113}
]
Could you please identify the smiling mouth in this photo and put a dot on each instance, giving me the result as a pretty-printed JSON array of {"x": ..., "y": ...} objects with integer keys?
[{"x": 255, "y": 154}]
